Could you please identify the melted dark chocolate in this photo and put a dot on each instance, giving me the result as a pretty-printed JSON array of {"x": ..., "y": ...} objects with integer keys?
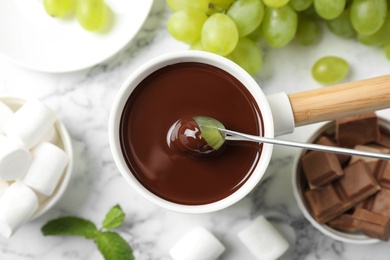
[{"x": 174, "y": 92}]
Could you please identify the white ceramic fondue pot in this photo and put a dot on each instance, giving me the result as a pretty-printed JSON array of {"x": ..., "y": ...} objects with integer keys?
[{"x": 281, "y": 113}]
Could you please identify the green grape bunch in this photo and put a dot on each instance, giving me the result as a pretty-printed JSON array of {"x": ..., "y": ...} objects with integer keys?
[
  {"x": 219, "y": 26},
  {"x": 90, "y": 14},
  {"x": 240, "y": 29}
]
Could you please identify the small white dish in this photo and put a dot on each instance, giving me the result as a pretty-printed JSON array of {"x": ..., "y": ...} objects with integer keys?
[
  {"x": 297, "y": 182},
  {"x": 65, "y": 143},
  {"x": 33, "y": 39}
]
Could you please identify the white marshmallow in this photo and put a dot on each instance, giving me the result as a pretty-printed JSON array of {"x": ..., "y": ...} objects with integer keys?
[
  {"x": 47, "y": 166},
  {"x": 51, "y": 136},
  {"x": 14, "y": 159},
  {"x": 197, "y": 244},
  {"x": 3, "y": 186},
  {"x": 263, "y": 240},
  {"x": 5, "y": 114},
  {"x": 30, "y": 123},
  {"x": 17, "y": 205}
]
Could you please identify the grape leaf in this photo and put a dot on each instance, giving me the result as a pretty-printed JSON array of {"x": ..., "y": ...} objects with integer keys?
[
  {"x": 114, "y": 217},
  {"x": 72, "y": 226},
  {"x": 113, "y": 246}
]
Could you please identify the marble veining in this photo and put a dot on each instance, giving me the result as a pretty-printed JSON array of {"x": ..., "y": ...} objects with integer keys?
[{"x": 83, "y": 100}]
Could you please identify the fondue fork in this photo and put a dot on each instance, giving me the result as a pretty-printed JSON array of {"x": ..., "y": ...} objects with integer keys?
[{"x": 237, "y": 136}]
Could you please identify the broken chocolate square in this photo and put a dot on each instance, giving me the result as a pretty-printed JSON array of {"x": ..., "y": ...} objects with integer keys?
[
  {"x": 372, "y": 224},
  {"x": 357, "y": 183},
  {"x": 325, "y": 203},
  {"x": 320, "y": 168}
]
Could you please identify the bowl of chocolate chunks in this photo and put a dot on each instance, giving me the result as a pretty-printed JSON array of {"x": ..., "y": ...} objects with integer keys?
[{"x": 347, "y": 197}]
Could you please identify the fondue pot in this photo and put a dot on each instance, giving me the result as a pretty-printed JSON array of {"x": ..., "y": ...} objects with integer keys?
[{"x": 280, "y": 114}]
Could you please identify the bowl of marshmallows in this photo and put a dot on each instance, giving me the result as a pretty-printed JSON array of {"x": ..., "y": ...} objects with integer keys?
[{"x": 35, "y": 161}]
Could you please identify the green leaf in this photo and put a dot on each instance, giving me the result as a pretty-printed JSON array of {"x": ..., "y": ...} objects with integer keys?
[
  {"x": 114, "y": 217},
  {"x": 113, "y": 246},
  {"x": 71, "y": 226}
]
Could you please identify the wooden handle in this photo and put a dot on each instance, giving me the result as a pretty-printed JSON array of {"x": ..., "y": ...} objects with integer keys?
[{"x": 352, "y": 98}]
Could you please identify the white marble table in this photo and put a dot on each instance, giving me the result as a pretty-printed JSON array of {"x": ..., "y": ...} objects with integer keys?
[{"x": 83, "y": 100}]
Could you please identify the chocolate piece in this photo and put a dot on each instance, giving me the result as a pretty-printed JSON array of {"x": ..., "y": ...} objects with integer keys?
[
  {"x": 357, "y": 183},
  {"x": 325, "y": 203},
  {"x": 368, "y": 148},
  {"x": 360, "y": 129},
  {"x": 344, "y": 222},
  {"x": 324, "y": 140},
  {"x": 380, "y": 203},
  {"x": 372, "y": 224},
  {"x": 382, "y": 173},
  {"x": 320, "y": 168}
]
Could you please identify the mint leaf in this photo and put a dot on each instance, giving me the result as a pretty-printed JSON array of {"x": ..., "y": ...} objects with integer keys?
[
  {"x": 113, "y": 246},
  {"x": 110, "y": 244},
  {"x": 72, "y": 226},
  {"x": 114, "y": 217}
]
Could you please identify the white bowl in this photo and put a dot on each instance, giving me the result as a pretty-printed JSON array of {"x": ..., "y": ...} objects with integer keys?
[
  {"x": 64, "y": 142},
  {"x": 352, "y": 238},
  {"x": 190, "y": 56}
]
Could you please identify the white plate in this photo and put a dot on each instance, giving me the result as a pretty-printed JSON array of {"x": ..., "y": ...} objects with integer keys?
[{"x": 33, "y": 39}]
